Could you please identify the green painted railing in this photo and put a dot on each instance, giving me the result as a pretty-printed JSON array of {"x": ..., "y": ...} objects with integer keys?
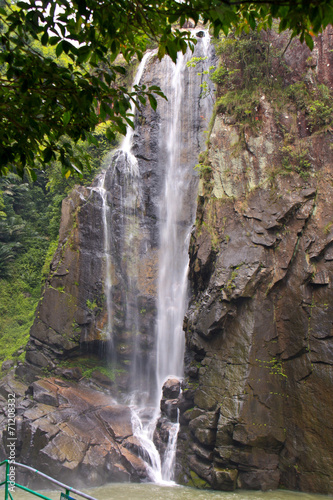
[{"x": 10, "y": 484}]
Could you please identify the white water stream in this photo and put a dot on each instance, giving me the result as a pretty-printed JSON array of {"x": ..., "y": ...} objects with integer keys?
[
  {"x": 176, "y": 216},
  {"x": 130, "y": 165}
]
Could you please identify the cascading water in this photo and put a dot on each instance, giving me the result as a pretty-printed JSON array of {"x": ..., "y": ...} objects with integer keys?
[
  {"x": 128, "y": 191},
  {"x": 148, "y": 207},
  {"x": 177, "y": 212}
]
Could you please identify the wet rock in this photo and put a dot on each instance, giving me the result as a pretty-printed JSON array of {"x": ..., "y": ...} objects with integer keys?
[
  {"x": 101, "y": 379},
  {"x": 171, "y": 388},
  {"x": 7, "y": 365},
  {"x": 73, "y": 431},
  {"x": 169, "y": 407},
  {"x": 259, "y": 480},
  {"x": 202, "y": 452},
  {"x": 45, "y": 392},
  {"x": 225, "y": 479},
  {"x": 118, "y": 420},
  {"x": 72, "y": 373},
  {"x": 135, "y": 465},
  {"x": 161, "y": 434},
  {"x": 9, "y": 384}
]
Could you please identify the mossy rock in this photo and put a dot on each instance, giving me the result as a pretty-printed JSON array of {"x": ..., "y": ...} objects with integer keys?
[{"x": 197, "y": 482}]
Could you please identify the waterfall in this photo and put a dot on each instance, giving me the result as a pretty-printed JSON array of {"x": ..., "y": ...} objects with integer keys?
[
  {"x": 173, "y": 257},
  {"x": 177, "y": 212},
  {"x": 107, "y": 254},
  {"x": 148, "y": 208},
  {"x": 125, "y": 162}
]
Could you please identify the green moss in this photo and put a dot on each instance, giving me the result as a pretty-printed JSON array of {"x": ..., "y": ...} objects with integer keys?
[
  {"x": 197, "y": 482},
  {"x": 16, "y": 318},
  {"x": 295, "y": 158},
  {"x": 90, "y": 363}
]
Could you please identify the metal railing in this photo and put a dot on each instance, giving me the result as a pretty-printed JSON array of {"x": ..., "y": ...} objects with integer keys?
[{"x": 10, "y": 484}]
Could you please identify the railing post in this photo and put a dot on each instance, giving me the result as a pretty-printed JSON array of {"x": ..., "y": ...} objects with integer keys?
[{"x": 7, "y": 481}]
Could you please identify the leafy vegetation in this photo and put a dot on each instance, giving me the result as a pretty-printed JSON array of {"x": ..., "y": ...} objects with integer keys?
[
  {"x": 245, "y": 73},
  {"x": 91, "y": 363},
  {"x": 29, "y": 227},
  {"x": 252, "y": 70},
  {"x": 62, "y": 65},
  {"x": 316, "y": 102},
  {"x": 295, "y": 158}
]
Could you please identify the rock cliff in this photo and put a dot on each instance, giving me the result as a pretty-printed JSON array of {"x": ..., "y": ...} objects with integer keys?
[
  {"x": 256, "y": 406},
  {"x": 255, "y": 410}
]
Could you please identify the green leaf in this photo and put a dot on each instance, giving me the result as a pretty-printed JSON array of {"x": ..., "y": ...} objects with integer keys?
[
  {"x": 59, "y": 49},
  {"x": 45, "y": 38},
  {"x": 309, "y": 40},
  {"x": 53, "y": 40},
  {"x": 252, "y": 21},
  {"x": 47, "y": 155},
  {"x": 66, "y": 118},
  {"x": 161, "y": 51},
  {"x": 130, "y": 122},
  {"x": 152, "y": 101},
  {"x": 92, "y": 139},
  {"x": 110, "y": 135},
  {"x": 120, "y": 69},
  {"x": 172, "y": 50}
]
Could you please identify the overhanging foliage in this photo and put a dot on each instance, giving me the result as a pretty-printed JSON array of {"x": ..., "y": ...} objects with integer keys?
[{"x": 47, "y": 101}]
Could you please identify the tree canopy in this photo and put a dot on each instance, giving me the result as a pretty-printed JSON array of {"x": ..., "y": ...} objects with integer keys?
[{"x": 62, "y": 64}]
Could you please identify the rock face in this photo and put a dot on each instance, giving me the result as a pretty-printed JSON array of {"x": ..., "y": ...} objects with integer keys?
[
  {"x": 259, "y": 341},
  {"x": 63, "y": 317},
  {"x": 169, "y": 415}
]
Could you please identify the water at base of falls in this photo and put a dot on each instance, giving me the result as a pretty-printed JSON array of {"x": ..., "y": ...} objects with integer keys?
[
  {"x": 134, "y": 491},
  {"x": 124, "y": 205}
]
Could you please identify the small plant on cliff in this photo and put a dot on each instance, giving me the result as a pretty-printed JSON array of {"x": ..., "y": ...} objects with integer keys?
[
  {"x": 295, "y": 158},
  {"x": 91, "y": 305},
  {"x": 192, "y": 63},
  {"x": 320, "y": 115},
  {"x": 316, "y": 104},
  {"x": 203, "y": 169}
]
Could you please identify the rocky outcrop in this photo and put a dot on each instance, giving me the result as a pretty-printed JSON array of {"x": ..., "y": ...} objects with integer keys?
[
  {"x": 64, "y": 316},
  {"x": 259, "y": 338},
  {"x": 169, "y": 415},
  {"x": 82, "y": 435}
]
